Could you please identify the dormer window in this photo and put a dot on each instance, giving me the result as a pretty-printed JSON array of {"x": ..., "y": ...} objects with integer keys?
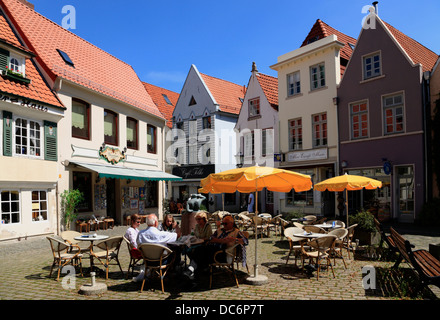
[
  {"x": 13, "y": 65},
  {"x": 17, "y": 64}
]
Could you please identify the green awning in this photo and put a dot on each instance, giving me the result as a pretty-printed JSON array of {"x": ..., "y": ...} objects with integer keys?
[{"x": 105, "y": 171}]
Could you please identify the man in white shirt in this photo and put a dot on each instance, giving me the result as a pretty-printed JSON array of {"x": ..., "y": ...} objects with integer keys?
[{"x": 153, "y": 235}]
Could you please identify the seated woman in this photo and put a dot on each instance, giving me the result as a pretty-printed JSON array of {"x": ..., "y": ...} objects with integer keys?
[
  {"x": 222, "y": 239},
  {"x": 203, "y": 229},
  {"x": 132, "y": 233},
  {"x": 170, "y": 225}
]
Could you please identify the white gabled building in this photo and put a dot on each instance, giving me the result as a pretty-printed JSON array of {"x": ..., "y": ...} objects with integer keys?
[
  {"x": 257, "y": 132},
  {"x": 203, "y": 133}
]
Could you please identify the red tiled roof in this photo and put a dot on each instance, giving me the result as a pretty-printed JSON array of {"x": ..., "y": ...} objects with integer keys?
[
  {"x": 269, "y": 85},
  {"x": 93, "y": 68},
  {"x": 37, "y": 89},
  {"x": 156, "y": 93},
  {"x": 416, "y": 51},
  {"x": 321, "y": 30},
  {"x": 225, "y": 93}
]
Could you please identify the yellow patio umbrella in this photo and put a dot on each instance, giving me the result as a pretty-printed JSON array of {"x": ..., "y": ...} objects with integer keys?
[
  {"x": 348, "y": 182},
  {"x": 253, "y": 179}
]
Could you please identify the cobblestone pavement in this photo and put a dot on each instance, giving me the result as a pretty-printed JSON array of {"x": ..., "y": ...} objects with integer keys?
[{"x": 25, "y": 267}]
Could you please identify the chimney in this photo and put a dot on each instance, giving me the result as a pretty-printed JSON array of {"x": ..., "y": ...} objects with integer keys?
[
  {"x": 375, "y": 7},
  {"x": 28, "y": 4}
]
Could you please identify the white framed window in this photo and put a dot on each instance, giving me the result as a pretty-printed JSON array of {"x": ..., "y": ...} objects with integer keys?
[
  {"x": 317, "y": 76},
  {"x": 319, "y": 124},
  {"x": 295, "y": 134},
  {"x": 10, "y": 206},
  {"x": 372, "y": 66},
  {"x": 359, "y": 120},
  {"x": 39, "y": 205},
  {"x": 17, "y": 64},
  {"x": 254, "y": 107},
  {"x": 293, "y": 84},
  {"x": 267, "y": 141},
  {"x": 28, "y": 138},
  {"x": 249, "y": 144},
  {"x": 393, "y": 113}
]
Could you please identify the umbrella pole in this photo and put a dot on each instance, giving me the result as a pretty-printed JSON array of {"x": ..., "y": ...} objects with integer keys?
[
  {"x": 256, "y": 235},
  {"x": 346, "y": 204}
]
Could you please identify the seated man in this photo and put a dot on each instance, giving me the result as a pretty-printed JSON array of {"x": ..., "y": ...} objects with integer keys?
[
  {"x": 222, "y": 239},
  {"x": 153, "y": 235}
]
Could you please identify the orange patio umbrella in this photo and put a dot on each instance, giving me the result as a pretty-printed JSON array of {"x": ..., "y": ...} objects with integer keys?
[
  {"x": 253, "y": 179},
  {"x": 348, "y": 182}
]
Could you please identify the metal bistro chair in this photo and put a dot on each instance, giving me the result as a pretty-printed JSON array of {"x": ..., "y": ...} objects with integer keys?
[
  {"x": 109, "y": 252},
  {"x": 157, "y": 258},
  {"x": 61, "y": 256}
]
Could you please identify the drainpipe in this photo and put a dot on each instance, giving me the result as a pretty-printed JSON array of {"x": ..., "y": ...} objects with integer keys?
[{"x": 426, "y": 133}]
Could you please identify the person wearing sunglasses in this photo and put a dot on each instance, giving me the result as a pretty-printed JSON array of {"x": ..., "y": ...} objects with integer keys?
[{"x": 133, "y": 231}]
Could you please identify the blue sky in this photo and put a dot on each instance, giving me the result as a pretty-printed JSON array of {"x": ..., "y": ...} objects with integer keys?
[{"x": 160, "y": 39}]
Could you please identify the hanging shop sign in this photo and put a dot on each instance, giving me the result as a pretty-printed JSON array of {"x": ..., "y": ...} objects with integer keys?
[{"x": 112, "y": 155}]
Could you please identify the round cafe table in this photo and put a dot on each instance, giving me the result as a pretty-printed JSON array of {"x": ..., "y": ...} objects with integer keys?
[
  {"x": 91, "y": 238},
  {"x": 182, "y": 244}
]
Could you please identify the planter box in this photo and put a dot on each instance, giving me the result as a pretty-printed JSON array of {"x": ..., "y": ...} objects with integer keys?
[{"x": 366, "y": 238}]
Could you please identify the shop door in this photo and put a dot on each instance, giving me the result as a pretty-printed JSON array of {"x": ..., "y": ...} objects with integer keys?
[
  {"x": 405, "y": 193},
  {"x": 111, "y": 197}
]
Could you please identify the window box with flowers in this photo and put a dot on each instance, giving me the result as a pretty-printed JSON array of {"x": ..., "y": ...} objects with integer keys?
[{"x": 17, "y": 76}]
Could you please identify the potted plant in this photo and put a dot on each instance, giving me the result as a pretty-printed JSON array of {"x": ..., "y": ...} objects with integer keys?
[
  {"x": 69, "y": 200},
  {"x": 365, "y": 231}
]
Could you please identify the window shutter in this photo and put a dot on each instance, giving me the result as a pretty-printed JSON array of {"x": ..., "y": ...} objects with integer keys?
[
  {"x": 7, "y": 133},
  {"x": 50, "y": 141},
  {"x": 4, "y": 59}
]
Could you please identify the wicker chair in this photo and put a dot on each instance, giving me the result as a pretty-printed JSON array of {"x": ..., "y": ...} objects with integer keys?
[
  {"x": 309, "y": 219},
  {"x": 61, "y": 256},
  {"x": 261, "y": 224},
  {"x": 109, "y": 252},
  {"x": 341, "y": 234},
  {"x": 135, "y": 256},
  {"x": 314, "y": 229},
  {"x": 348, "y": 243},
  {"x": 298, "y": 225},
  {"x": 231, "y": 255},
  {"x": 338, "y": 224},
  {"x": 157, "y": 258},
  {"x": 321, "y": 246},
  {"x": 69, "y": 237},
  {"x": 295, "y": 243}
]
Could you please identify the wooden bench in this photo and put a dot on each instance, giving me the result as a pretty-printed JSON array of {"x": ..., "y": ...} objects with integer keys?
[
  {"x": 426, "y": 265},
  {"x": 384, "y": 237}
]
